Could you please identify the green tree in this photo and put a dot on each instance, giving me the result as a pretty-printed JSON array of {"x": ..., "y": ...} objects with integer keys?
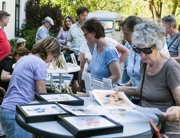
[{"x": 36, "y": 11}]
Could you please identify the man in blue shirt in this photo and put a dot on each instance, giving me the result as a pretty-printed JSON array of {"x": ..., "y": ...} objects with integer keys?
[
  {"x": 43, "y": 31},
  {"x": 173, "y": 41},
  {"x": 75, "y": 39}
]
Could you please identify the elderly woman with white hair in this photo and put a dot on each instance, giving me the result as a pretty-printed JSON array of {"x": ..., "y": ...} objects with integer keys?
[{"x": 160, "y": 75}]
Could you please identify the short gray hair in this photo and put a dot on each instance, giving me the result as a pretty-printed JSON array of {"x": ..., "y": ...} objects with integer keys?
[
  {"x": 147, "y": 34},
  {"x": 170, "y": 19}
]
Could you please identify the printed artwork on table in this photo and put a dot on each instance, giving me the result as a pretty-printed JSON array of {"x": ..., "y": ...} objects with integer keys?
[
  {"x": 111, "y": 98},
  {"x": 89, "y": 122},
  {"x": 36, "y": 110},
  {"x": 58, "y": 97},
  {"x": 85, "y": 110},
  {"x": 125, "y": 115}
]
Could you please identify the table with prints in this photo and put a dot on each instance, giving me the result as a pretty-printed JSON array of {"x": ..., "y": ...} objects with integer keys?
[{"x": 139, "y": 129}]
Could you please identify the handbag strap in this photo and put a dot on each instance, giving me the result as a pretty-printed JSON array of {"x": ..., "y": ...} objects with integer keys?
[
  {"x": 173, "y": 40},
  {"x": 142, "y": 84}
]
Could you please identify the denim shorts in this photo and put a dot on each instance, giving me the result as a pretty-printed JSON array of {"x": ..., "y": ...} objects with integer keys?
[{"x": 11, "y": 128}]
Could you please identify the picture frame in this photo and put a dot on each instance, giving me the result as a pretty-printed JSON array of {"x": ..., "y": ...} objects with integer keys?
[
  {"x": 40, "y": 112},
  {"x": 62, "y": 98},
  {"x": 90, "y": 125}
]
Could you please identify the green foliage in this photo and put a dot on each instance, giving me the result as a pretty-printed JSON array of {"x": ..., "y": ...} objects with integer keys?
[
  {"x": 29, "y": 35},
  {"x": 37, "y": 10},
  {"x": 35, "y": 13},
  {"x": 13, "y": 44},
  {"x": 126, "y": 8}
]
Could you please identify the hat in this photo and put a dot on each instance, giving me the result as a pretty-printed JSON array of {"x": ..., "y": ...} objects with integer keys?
[
  {"x": 20, "y": 40},
  {"x": 49, "y": 20}
]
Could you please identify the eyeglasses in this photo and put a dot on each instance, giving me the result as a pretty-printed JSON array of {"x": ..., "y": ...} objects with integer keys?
[{"x": 144, "y": 50}]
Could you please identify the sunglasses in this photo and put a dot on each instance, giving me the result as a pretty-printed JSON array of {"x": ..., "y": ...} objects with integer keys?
[{"x": 144, "y": 50}]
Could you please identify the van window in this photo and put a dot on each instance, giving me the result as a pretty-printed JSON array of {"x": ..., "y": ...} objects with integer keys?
[
  {"x": 117, "y": 26},
  {"x": 108, "y": 24}
]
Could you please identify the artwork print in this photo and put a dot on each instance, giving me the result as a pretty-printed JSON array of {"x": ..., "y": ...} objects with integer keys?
[
  {"x": 58, "y": 97},
  {"x": 89, "y": 122},
  {"x": 118, "y": 114},
  {"x": 46, "y": 109},
  {"x": 111, "y": 98},
  {"x": 125, "y": 115},
  {"x": 85, "y": 110}
]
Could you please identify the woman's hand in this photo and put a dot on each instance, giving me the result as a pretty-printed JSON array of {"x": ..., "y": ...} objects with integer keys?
[
  {"x": 119, "y": 89},
  {"x": 172, "y": 114}
]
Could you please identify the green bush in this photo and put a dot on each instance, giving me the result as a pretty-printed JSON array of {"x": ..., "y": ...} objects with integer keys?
[
  {"x": 13, "y": 44},
  {"x": 35, "y": 13},
  {"x": 29, "y": 35}
]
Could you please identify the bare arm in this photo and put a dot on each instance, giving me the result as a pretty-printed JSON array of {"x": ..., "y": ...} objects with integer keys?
[
  {"x": 176, "y": 95},
  {"x": 173, "y": 113},
  {"x": 5, "y": 76},
  {"x": 69, "y": 39},
  {"x": 129, "y": 83},
  {"x": 128, "y": 90},
  {"x": 82, "y": 63},
  {"x": 41, "y": 86},
  {"x": 115, "y": 71},
  {"x": 123, "y": 50}
]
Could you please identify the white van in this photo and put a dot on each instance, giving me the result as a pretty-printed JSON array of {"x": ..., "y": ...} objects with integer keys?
[{"x": 111, "y": 22}]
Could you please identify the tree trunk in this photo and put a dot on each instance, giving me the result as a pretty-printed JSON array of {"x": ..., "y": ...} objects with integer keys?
[
  {"x": 175, "y": 5},
  {"x": 151, "y": 8}
]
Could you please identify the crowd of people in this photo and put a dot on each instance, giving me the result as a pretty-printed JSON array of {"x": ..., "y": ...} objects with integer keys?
[{"x": 151, "y": 56}]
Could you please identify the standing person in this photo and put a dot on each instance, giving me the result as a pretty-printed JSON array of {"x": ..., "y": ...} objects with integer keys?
[
  {"x": 5, "y": 47},
  {"x": 43, "y": 31},
  {"x": 29, "y": 76},
  {"x": 6, "y": 66},
  {"x": 160, "y": 75},
  {"x": 105, "y": 61},
  {"x": 75, "y": 39},
  {"x": 21, "y": 42},
  {"x": 132, "y": 63},
  {"x": 62, "y": 36},
  {"x": 86, "y": 51},
  {"x": 173, "y": 41}
]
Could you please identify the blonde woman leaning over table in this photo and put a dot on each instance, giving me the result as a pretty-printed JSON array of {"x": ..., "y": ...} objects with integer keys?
[
  {"x": 29, "y": 76},
  {"x": 160, "y": 75}
]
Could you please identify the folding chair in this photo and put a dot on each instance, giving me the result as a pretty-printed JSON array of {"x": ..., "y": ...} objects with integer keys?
[
  {"x": 53, "y": 82},
  {"x": 107, "y": 84}
]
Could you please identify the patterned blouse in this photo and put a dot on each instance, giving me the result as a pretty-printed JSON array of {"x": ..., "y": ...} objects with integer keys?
[{"x": 62, "y": 37}]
